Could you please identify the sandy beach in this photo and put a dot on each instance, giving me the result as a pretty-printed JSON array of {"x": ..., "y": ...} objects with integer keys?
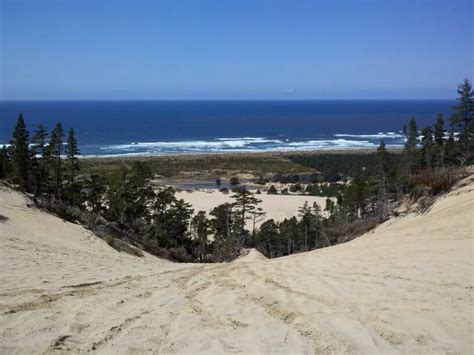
[{"x": 404, "y": 287}]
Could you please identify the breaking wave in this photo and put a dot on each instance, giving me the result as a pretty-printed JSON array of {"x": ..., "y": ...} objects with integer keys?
[{"x": 244, "y": 144}]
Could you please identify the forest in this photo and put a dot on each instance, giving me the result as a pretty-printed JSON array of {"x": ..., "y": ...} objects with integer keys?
[{"x": 122, "y": 207}]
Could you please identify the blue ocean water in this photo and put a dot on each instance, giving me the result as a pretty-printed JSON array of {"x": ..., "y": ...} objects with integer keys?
[{"x": 109, "y": 128}]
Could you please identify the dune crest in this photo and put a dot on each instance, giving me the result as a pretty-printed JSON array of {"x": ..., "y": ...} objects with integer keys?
[{"x": 404, "y": 287}]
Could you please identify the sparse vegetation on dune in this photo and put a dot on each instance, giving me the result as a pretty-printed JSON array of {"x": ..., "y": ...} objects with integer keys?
[{"x": 114, "y": 197}]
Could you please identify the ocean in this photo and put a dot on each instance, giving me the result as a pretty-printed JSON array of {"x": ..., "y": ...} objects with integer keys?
[{"x": 127, "y": 128}]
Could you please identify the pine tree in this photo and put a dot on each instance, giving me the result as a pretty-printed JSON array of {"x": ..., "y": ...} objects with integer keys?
[
  {"x": 412, "y": 135},
  {"x": 462, "y": 120},
  {"x": 55, "y": 149},
  {"x": 39, "y": 158},
  {"x": 451, "y": 150},
  {"x": 20, "y": 153},
  {"x": 382, "y": 175},
  {"x": 305, "y": 215},
  {"x": 245, "y": 203},
  {"x": 72, "y": 162},
  {"x": 201, "y": 227},
  {"x": 5, "y": 165},
  {"x": 427, "y": 147},
  {"x": 95, "y": 190},
  {"x": 268, "y": 239},
  {"x": 410, "y": 151},
  {"x": 439, "y": 133}
]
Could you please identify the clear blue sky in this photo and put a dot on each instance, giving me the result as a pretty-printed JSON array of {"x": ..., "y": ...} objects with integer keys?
[{"x": 224, "y": 49}]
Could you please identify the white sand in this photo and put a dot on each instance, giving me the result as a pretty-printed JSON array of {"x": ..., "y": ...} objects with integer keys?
[
  {"x": 406, "y": 287},
  {"x": 277, "y": 207}
]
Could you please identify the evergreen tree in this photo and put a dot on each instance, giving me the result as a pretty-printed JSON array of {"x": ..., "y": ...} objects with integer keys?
[
  {"x": 54, "y": 151},
  {"x": 245, "y": 203},
  {"x": 382, "y": 176},
  {"x": 128, "y": 199},
  {"x": 355, "y": 197},
  {"x": 410, "y": 152},
  {"x": 427, "y": 147},
  {"x": 5, "y": 165},
  {"x": 39, "y": 158},
  {"x": 439, "y": 140},
  {"x": 412, "y": 135},
  {"x": 20, "y": 154},
  {"x": 310, "y": 222},
  {"x": 72, "y": 162},
  {"x": 268, "y": 239},
  {"x": 462, "y": 120},
  {"x": 451, "y": 150},
  {"x": 225, "y": 230},
  {"x": 289, "y": 233},
  {"x": 330, "y": 205},
  {"x": 94, "y": 193},
  {"x": 257, "y": 215},
  {"x": 383, "y": 158},
  {"x": 201, "y": 227},
  {"x": 305, "y": 215}
]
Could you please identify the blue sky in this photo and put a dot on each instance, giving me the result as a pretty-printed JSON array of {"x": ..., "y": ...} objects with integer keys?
[{"x": 224, "y": 49}]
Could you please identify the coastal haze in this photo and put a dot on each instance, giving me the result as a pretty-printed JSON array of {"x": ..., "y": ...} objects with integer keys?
[{"x": 133, "y": 128}]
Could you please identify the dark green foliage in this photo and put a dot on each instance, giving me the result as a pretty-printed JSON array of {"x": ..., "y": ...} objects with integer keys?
[
  {"x": 127, "y": 197},
  {"x": 272, "y": 190},
  {"x": 462, "y": 120},
  {"x": 224, "y": 224},
  {"x": 5, "y": 163},
  {"x": 427, "y": 149},
  {"x": 94, "y": 191},
  {"x": 245, "y": 205},
  {"x": 452, "y": 151},
  {"x": 20, "y": 154},
  {"x": 438, "y": 136},
  {"x": 201, "y": 230},
  {"x": 412, "y": 135},
  {"x": 410, "y": 152},
  {"x": 72, "y": 166},
  {"x": 120, "y": 205},
  {"x": 382, "y": 181},
  {"x": 54, "y": 151},
  {"x": 39, "y": 159},
  {"x": 269, "y": 240},
  {"x": 336, "y": 167}
]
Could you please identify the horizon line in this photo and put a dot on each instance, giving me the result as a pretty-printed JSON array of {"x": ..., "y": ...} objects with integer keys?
[{"x": 242, "y": 99}]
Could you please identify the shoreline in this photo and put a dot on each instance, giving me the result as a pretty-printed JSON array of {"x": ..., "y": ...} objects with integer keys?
[{"x": 258, "y": 154}]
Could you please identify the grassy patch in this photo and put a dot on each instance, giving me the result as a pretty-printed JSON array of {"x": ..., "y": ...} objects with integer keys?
[{"x": 200, "y": 166}]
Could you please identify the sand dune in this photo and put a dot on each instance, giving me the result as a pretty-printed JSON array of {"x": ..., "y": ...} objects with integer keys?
[
  {"x": 277, "y": 207},
  {"x": 405, "y": 287}
]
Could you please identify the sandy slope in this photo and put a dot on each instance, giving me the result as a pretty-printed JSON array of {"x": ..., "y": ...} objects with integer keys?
[{"x": 406, "y": 287}]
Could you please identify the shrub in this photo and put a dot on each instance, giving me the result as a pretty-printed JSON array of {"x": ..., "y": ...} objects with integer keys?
[
  {"x": 272, "y": 190},
  {"x": 435, "y": 181},
  {"x": 234, "y": 180}
]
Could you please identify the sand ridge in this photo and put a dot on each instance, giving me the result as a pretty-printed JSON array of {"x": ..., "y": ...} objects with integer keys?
[{"x": 407, "y": 286}]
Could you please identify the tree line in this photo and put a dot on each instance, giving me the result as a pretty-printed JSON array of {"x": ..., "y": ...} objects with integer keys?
[{"x": 125, "y": 207}]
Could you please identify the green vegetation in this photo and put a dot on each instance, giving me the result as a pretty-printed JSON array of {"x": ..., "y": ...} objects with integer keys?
[
  {"x": 116, "y": 201},
  {"x": 198, "y": 166}
]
